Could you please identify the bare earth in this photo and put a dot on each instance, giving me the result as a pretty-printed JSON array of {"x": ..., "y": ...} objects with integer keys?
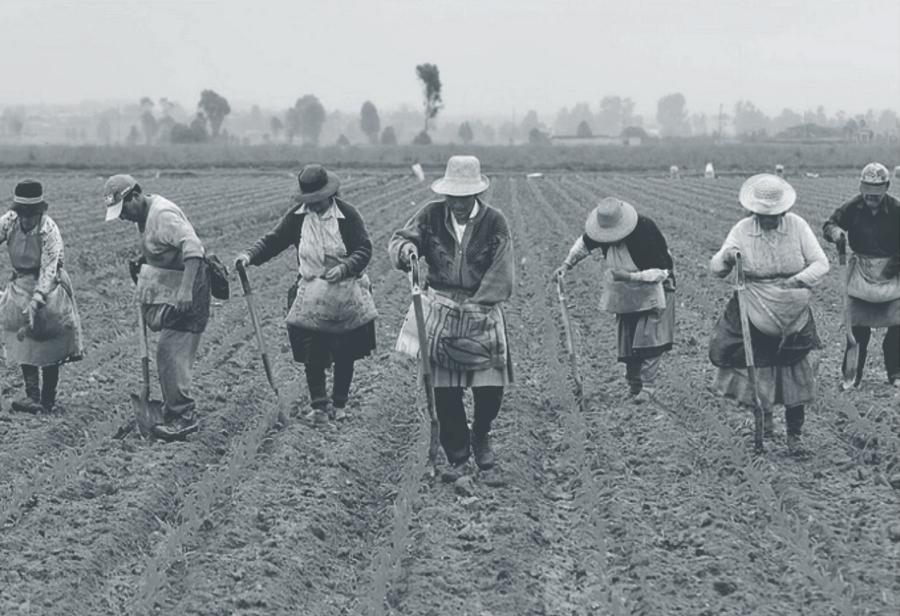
[{"x": 625, "y": 509}]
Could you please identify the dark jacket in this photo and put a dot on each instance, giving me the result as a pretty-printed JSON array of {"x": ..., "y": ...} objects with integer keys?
[
  {"x": 871, "y": 235},
  {"x": 287, "y": 233},
  {"x": 646, "y": 245},
  {"x": 482, "y": 267}
]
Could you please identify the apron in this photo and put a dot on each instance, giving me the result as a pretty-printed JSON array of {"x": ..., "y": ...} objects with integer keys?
[
  {"x": 646, "y": 332},
  {"x": 874, "y": 298},
  {"x": 56, "y": 337}
]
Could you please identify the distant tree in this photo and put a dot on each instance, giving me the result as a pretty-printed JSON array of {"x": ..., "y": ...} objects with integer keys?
[
  {"x": 14, "y": 121},
  {"x": 581, "y": 112},
  {"x": 343, "y": 141},
  {"x": 488, "y": 133},
  {"x": 850, "y": 129},
  {"x": 785, "y": 120},
  {"x": 369, "y": 121},
  {"x": 149, "y": 126},
  {"x": 146, "y": 103},
  {"x": 671, "y": 115},
  {"x": 307, "y": 119},
  {"x": 168, "y": 108},
  {"x": 537, "y": 137},
  {"x": 615, "y": 114},
  {"x": 104, "y": 130},
  {"x": 215, "y": 107},
  {"x": 749, "y": 120},
  {"x": 421, "y": 139},
  {"x": 388, "y": 137},
  {"x": 198, "y": 127},
  {"x": 584, "y": 130},
  {"x": 508, "y": 133},
  {"x": 529, "y": 122},
  {"x": 431, "y": 80},
  {"x": 133, "y": 136},
  {"x": 888, "y": 123},
  {"x": 465, "y": 133},
  {"x": 276, "y": 126},
  {"x": 699, "y": 125},
  {"x": 164, "y": 128}
]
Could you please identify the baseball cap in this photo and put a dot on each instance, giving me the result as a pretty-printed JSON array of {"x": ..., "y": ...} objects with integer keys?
[{"x": 116, "y": 189}]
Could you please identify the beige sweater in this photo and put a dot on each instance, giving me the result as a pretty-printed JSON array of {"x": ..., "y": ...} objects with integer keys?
[{"x": 789, "y": 250}]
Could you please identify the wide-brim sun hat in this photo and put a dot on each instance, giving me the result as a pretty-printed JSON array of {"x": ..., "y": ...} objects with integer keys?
[
  {"x": 611, "y": 221},
  {"x": 874, "y": 179},
  {"x": 115, "y": 191},
  {"x": 28, "y": 194},
  {"x": 462, "y": 178},
  {"x": 767, "y": 194},
  {"x": 316, "y": 184}
]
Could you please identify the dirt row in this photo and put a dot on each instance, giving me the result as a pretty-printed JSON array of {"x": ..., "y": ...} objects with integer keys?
[{"x": 624, "y": 509}]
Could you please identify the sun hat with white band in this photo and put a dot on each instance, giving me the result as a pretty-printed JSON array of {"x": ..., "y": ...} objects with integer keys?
[
  {"x": 767, "y": 194},
  {"x": 462, "y": 178}
]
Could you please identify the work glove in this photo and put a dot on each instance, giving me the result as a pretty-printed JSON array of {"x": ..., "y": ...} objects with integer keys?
[
  {"x": 242, "y": 260},
  {"x": 134, "y": 268}
]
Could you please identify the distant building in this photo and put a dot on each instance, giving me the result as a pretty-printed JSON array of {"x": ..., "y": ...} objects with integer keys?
[{"x": 571, "y": 140}]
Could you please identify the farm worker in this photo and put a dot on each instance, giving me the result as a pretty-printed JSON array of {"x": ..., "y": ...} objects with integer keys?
[
  {"x": 782, "y": 261},
  {"x": 468, "y": 249},
  {"x": 639, "y": 287},
  {"x": 41, "y": 326},
  {"x": 331, "y": 312},
  {"x": 173, "y": 287},
  {"x": 871, "y": 223}
]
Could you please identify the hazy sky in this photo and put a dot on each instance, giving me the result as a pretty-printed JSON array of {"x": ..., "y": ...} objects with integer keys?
[{"x": 495, "y": 56}]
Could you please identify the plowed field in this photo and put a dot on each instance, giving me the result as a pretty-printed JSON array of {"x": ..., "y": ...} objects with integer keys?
[{"x": 623, "y": 509}]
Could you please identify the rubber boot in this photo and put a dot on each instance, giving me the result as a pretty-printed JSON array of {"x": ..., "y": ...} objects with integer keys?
[
  {"x": 48, "y": 387},
  {"x": 31, "y": 403}
]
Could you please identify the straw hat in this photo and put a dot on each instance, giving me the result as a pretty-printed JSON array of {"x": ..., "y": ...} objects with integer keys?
[
  {"x": 874, "y": 179},
  {"x": 767, "y": 194},
  {"x": 612, "y": 220},
  {"x": 461, "y": 178}
]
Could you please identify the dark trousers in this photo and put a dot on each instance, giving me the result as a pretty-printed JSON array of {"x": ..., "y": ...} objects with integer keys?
[
  {"x": 340, "y": 391},
  {"x": 451, "y": 413},
  {"x": 890, "y": 347},
  {"x": 37, "y": 391}
]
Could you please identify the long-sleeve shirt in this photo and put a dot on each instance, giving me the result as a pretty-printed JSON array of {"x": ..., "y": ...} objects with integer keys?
[
  {"x": 790, "y": 250},
  {"x": 870, "y": 233},
  {"x": 290, "y": 228},
  {"x": 168, "y": 236},
  {"x": 480, "y": 266},
  {"x": 23, "y": 251}
]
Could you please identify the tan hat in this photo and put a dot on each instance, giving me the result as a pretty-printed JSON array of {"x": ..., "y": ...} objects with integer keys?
[
  {"x": 874, "y": 179},
  {"x": 612, "y": 220},
  {"x": 116, "y": 189},
  {"x": 461, "y": 178},
  {"x": 767, "y": 194}
]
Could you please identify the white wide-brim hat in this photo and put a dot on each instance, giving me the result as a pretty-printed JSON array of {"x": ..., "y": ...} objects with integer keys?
[
  {"x": 462, "y": 178},
  {"x": 767, "y": 194},
  {"x": 611, "y": 221}
]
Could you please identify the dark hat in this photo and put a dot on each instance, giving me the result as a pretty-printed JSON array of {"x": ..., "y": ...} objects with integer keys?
[
  {"x": 316, "y": 184},
  {"x": 29, "y": 193}
]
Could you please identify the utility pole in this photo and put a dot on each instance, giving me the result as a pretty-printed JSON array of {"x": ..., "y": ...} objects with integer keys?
[{"x": 719, "y": 138}]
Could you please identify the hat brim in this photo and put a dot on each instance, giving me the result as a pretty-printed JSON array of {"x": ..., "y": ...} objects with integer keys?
[
  {"x": 455, "y": 188},
  {"x": 113, "y": 211},
  {"x": 767, "y": 208},
  {"x": 28, "y": 206},
  {"x": 873, "y": 189},
  {"x": 329, "y": 190},
  {"x": 608, "y": 235}
]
